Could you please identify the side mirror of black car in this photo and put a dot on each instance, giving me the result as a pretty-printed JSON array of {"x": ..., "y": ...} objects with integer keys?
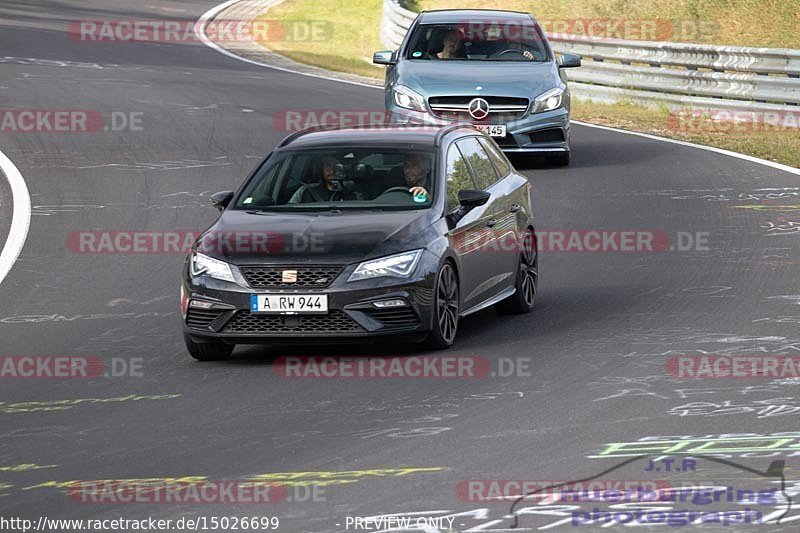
[
  {"x": 569, "y": 61},
  {"x": 221, "y": 199},
  {"x": 469, "y": 198}
]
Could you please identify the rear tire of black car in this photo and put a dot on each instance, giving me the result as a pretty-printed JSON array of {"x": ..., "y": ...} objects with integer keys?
[
  {"x": 527, "y": 284},
  {"x": 560, "y": 159},
  {"x": 208, "y": 351},
  {"x": 445, "y": 308}
]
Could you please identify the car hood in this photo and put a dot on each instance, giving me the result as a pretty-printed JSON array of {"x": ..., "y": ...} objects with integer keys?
[
  {"x": 242, "y": 237},
  {"x": 497, "y": 78}
]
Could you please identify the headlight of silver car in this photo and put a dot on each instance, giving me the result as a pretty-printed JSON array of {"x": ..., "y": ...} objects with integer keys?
[
  {"x": 405, "y": 97},
  {"x": 397, "y": 265},
  {"x": 201, "y": 264},
  {"x": 547, "y": 101}
]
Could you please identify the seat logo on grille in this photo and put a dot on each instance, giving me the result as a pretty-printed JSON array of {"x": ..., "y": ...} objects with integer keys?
[
  {"x": 479, "y": 108},
  {"x": 289, "y": 276}
]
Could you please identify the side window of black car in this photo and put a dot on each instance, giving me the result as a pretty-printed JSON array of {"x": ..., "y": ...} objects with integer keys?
[
  {"x": 457, "y": 176},
  {"x": 497, "y": 157},
  {"x": 478, "y": 160}
]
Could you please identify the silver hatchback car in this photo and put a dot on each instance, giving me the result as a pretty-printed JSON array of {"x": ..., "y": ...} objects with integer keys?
[{"x": 494, "y": 69}]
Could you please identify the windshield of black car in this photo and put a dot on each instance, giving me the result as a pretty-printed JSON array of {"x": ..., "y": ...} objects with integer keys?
[
  {"x": 493, "y": 40},
  {"x": 349, "y": 178}
]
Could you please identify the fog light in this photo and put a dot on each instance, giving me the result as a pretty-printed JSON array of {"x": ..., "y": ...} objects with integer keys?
[
  {"x": 390, "y": 303},
  {"x": 201, "y": 304}
]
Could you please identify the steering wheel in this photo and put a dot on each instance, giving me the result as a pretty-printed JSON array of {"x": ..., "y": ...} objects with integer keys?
[
  {"x": 396, "y": 189},
  {"x": 511, "y": 51},
  {"x": 399, "y": 195}
]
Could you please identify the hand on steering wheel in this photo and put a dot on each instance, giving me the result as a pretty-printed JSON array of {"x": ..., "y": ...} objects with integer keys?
[{"x": 524, "y": 53}]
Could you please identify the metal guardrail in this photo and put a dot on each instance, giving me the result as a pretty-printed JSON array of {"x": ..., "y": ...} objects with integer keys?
[{"x": 652, "y": 73}]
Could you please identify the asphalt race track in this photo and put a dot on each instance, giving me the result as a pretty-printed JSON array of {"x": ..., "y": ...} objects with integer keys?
[{"x": 596, "y": 345}]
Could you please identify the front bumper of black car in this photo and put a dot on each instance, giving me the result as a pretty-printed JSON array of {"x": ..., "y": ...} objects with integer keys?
[{"x": 220, "y": 310}]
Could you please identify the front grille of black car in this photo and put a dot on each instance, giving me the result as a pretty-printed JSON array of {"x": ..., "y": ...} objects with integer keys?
[
  {"x": 334, "y": 323},
  {"x": 201, "y": 318},
  {"x": 395, "y": 318},
  {"x": 501, "y": 108},
  {"x": 311, "y": 276}
]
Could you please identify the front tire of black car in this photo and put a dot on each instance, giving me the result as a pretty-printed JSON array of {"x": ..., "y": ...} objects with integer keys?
[
  {"x": 527, "y": 284},
  {"x": 208, "y": 351},
  {"x": 445, "y": 309}
]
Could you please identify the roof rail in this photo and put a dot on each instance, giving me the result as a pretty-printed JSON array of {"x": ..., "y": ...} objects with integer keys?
[
  {"x": 453, "y": 127},
  {"x": 299, "y": 133},
  {"x": 444, "y": 130}
]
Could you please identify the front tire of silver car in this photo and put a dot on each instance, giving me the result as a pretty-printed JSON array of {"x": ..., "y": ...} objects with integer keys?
[
  {"x": 208, "y": 351},
  {"x": 445, "y": 309}
]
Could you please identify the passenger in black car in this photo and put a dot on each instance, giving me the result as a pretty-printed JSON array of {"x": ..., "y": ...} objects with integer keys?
[{"x": 326, "y": 189}]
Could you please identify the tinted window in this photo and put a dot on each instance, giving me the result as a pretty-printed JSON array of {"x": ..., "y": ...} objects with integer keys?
[
  {"x": 457, "y": 176},
  {"x": 482, "y": 169},
  {"x": 497, "y": 157}
]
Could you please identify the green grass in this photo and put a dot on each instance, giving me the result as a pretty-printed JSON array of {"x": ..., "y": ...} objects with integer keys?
[
  {"x": 355, "y": 26},
  {"x": 769, "y": 23},
  {"x": 780, "y": 146},
  {"x": 355, "y": 37}
]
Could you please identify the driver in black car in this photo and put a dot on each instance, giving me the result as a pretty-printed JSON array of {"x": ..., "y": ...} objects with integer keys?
[{"x": 416, "y": 169}]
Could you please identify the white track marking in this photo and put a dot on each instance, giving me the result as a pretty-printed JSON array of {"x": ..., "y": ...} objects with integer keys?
[
  {"x": 779, "y": 166},
  {"x": 20, "y": 219},
  {"x": 199, "y": 29}
]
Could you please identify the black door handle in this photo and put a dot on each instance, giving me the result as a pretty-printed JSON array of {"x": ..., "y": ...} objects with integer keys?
[
  {"x": 491, "y": 222},
  {"x": 514, "y": 208}
]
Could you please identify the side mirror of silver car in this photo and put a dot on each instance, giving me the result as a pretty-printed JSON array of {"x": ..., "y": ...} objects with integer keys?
[
  {"x": 384, "y": 57},
  {"x": 569, "y": 61}
]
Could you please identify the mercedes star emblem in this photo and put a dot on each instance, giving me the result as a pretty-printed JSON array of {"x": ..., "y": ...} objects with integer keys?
[{"x": 479, "y": 108}]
